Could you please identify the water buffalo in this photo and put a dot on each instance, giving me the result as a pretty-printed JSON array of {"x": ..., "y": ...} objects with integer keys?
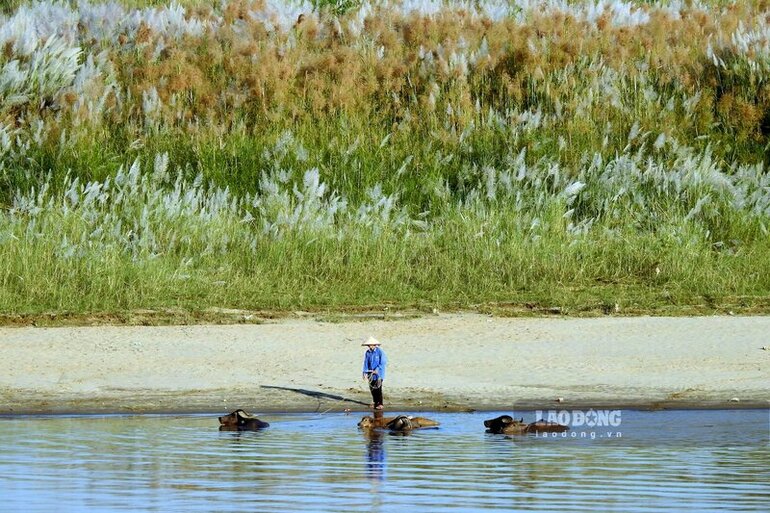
[
  {"x": 404, "y": 423},
  {"x": 542, "y": 426},
  {"x": 369, "y": 422},
  {"x": 508, "y": 425},
  {"x": 399, "y": 423},
  {"x": 239, "y": 420}
]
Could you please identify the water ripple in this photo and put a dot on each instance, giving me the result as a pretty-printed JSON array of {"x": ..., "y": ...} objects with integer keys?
[{"x": 324, "y": 463}]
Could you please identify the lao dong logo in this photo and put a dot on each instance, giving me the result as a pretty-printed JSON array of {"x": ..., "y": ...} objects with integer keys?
[
  {"x": 584, "y": 423},
  {"x": 579, "y": 418}
]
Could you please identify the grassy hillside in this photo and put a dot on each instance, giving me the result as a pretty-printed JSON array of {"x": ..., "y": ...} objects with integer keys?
[{"x": 592, "y": 156}]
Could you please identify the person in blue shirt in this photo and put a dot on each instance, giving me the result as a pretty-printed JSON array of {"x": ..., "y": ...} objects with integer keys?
[{"x": 374, "y": 370}]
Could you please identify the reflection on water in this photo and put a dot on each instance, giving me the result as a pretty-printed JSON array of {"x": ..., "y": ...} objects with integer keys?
[
  {"x": 375, "y": 454},
  {"x": 672, "y": 460}
]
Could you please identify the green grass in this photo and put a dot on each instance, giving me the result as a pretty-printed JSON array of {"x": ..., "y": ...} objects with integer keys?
[
  {"x": 436, "y": 188},
  {"x": 448, "y": 268}
]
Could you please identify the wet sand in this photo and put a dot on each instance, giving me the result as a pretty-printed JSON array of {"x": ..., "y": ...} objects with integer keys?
[{"x": 436, "y": 362}]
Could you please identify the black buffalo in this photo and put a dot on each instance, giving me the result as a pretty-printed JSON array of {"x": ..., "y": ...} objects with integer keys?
[
  {"x": 239, "y": 420},
  {"x": 506, "y": 424}
]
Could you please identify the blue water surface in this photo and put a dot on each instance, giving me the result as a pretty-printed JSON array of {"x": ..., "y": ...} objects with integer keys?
[{"x": 698, "y": 460}]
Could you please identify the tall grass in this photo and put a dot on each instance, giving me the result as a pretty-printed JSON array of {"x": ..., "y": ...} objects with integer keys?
[{"x": 260, "y": 154}]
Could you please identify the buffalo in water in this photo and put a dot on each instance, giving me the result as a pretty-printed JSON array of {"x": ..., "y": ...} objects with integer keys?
[
  {"x": 239, "y": 420},
  {"x": 401, "y": 423},
  {"x": 506, "y": 424}
]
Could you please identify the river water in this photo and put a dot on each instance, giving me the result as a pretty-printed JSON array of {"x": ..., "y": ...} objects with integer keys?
[{"x": 699, "y": 460}]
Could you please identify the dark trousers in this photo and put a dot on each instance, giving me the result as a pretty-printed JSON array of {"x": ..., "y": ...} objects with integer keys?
[{"x": 375, "y": 387}]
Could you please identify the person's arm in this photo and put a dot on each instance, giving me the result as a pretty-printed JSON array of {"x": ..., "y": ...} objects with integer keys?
[{"x": 380, "y": 370}]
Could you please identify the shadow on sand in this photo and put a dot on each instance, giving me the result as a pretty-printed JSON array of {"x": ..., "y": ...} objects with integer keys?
[{"x": 317, "y": 395}]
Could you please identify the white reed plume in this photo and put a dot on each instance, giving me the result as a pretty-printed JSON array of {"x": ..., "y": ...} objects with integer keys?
[
  {"x": 43, "y": 73},
  {"x": 169, "y": 21}
]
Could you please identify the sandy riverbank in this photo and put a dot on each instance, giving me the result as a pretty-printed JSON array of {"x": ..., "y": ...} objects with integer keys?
[{"x": 436, "y": 362}]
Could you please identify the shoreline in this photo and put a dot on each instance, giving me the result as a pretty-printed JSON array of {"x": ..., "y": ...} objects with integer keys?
[
  {"x": 649, "y": 407},
  {"x": 216, "y": 316},
  {"x": 444, "y": 362}
]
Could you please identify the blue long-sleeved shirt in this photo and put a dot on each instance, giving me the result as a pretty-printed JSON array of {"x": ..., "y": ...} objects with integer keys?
[{"x": 375, "y": 361}]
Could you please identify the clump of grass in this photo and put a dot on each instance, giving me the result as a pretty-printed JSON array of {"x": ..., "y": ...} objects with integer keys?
[{"x": 268, "y": 154}]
